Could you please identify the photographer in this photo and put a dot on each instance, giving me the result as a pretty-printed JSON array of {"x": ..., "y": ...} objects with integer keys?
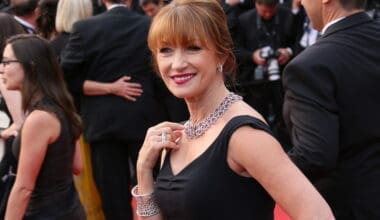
[
  {"x": 269, "y": 26},
  {"x": 264, "y": 38}
]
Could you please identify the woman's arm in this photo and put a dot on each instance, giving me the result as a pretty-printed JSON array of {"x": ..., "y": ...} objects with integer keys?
[
  {"x": 121, "y": 87},
  {"x": 150, "y": 153},
  {"x": 77, "y": 162},
  {"x": 40, "y": 129},
  {"x": 257, "y": 154},
  {"x": 13, "y": 101}
]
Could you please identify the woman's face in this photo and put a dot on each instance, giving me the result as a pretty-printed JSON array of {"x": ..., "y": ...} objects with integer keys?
[
  {"x": 188, "y": 71},
  {"x": 13, "y": 72}
]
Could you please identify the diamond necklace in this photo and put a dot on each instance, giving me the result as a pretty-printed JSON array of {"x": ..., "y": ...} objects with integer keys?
[{"x": 193, "y": 131}]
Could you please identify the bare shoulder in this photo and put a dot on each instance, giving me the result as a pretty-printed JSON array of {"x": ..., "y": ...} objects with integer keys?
[
  {"x": 247, "y": 135},
  {"x": 249, "y": 147},
  {"x": 42, "y": 123},
  {"x": 41, "y": 118},
  {"x": 252, "y": 138},
  {"x": 242, "y": 108}
]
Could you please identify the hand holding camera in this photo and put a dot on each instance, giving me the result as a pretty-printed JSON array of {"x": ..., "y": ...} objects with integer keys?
[
  {"x": 268, "y": 64},
  {"x": 284, "y": 55}
]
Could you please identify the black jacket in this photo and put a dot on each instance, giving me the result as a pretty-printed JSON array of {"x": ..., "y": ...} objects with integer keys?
[
  {"x": 332, "y": 109},
  {"x": 104, "y": 48}
]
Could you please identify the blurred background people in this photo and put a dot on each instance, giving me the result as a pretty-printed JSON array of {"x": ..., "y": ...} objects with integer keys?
[
  {"x": 373, "y": 8},
  {"x": 11, "y": 114},
  {"x": 151, "y": 7},
  {"x": 306, "y": 34},
  {"x": 10, "y": 100},
  {"x": 25, "y": 13},
  {"x": 44, "y": 187},
  {"x": 264, "y": 39},
  {"x": 107, "y": 60},
  {"x": 45, "y": 23},
  {"x": 69, "y": 12},
  {"x": 233, "y": 8},
  {"x": 4, "y": 5}
]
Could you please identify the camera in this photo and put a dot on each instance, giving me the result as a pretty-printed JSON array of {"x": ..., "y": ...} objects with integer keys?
[{"x": 271, "y": 69}]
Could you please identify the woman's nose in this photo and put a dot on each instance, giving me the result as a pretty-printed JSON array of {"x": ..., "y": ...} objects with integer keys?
[{"x": 179, "y": 60}]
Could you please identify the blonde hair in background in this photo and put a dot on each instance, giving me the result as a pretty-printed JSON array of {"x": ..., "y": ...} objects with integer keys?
[
  {"x": 185, "y": 22},
  {"x": 71, "y": 11}
]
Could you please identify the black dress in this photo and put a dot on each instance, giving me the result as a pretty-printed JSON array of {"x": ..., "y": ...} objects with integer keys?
[
  {"x": 54, "y": 196},
  {"x": 208, "y": 189}
]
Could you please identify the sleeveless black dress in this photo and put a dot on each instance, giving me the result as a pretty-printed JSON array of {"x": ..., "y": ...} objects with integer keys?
[
  {"x": 54, "y": 196},
  {"x": 208, "y": 189}
]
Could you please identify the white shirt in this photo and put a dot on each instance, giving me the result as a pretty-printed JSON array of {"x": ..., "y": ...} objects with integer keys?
[
  {"x": 116, "y": 5},
  {"x": 330, "y": 23},
  {"x": 309, "y": 36},
  {"x": 25, "y": 23}
]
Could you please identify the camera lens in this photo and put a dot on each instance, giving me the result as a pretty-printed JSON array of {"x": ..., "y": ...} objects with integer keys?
[{"x": 273, "y": 70}]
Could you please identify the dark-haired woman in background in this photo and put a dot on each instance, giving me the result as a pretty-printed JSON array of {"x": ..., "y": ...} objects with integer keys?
[
  {"x": 45, "y": 23},
  {"x": 46, "y": 145}
]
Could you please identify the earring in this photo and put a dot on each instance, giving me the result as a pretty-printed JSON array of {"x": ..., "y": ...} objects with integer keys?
[{"x": 219, "y": 68}]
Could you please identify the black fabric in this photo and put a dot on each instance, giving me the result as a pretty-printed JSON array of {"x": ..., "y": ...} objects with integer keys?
[
  {"x": 54, "y": 195},
  {"x": 112, "y": 163},
  {"x": 208, "y": 189},
  {"x": 7, "y": 175},
  {"x": 104, "y": 48},
  {"x": 6, "y": 185},
  {"x": 59, "y": 43}
]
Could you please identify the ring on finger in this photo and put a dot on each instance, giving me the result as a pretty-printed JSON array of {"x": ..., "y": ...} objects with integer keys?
[{"x": 164, "y": 137}]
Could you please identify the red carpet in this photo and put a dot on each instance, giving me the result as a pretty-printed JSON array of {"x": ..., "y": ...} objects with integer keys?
[{"x": 280, "y": 214}]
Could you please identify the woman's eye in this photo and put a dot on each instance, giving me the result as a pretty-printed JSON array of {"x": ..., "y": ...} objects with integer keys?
[
  {"x": 194, "y": 48},
  {"x": 165, "y": 50}
]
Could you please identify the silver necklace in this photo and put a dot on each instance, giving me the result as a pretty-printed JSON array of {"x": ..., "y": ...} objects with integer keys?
[{"x": 193, "y": 131}]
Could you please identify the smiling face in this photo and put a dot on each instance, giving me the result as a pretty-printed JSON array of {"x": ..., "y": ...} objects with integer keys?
[
  {"x": 13, "y": 72},
  {"x": 190, "y": 40},
  {"x": 188, "y": 70}
]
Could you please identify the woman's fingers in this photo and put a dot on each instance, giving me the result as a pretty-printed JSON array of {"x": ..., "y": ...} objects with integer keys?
[{"x": 162, "y": 136}]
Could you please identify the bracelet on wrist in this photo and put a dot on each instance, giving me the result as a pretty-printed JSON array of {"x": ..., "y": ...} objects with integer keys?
[{"x": 146, "y": 204}]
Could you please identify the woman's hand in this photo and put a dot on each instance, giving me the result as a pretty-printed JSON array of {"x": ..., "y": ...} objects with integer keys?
[
  {"x": 162, "y": 136},
  {"x": 10, "y": 131},
  {"x": 126, "y": 89}
]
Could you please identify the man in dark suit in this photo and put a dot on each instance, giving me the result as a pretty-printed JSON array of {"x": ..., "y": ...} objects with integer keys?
[
  {"x": 332, "y": 108},
  {"x": 107, "y": 59},
  {"x": 26, "y": 14}
]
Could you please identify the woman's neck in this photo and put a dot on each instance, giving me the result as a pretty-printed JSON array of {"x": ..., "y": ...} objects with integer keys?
[{"x": 202, "y": 106}]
